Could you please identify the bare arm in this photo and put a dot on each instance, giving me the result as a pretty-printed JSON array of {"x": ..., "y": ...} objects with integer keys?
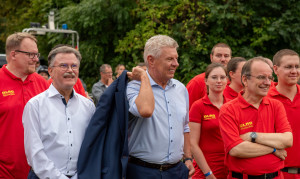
[
  {"x": 274, "y": 140},
  {"x": 196, "y": 150},
  {"x": 145, "y": 100},
  {"x": 188, "y": 154}
]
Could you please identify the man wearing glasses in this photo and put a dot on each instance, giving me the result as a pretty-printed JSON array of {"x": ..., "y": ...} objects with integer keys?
[
  {"x": 254, "y": 128},
  {"x": 18, "y": 83},
  {"x": 106, "y": 79},
  {"x": 55, "y": 120},
  {"x": 286, "y": 67}
]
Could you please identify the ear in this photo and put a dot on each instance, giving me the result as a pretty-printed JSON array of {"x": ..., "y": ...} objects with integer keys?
[
  {"x": 205, "y": 81},
  {"x": 211, "y": 57},
  {"x": 244, "y": 80},
  {"x": 275, "y": 68},
  {"x": 12, "y": 54},
  {"x": 50, "y": 71},
  {"x": 150, "y": 60},
  {"x": 230, "y": 74}
]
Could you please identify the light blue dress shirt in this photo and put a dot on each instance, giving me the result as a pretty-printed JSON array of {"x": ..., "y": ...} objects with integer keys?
[
  {"x": 53, "y": 132},
  {"x": 160, "y": 138}
]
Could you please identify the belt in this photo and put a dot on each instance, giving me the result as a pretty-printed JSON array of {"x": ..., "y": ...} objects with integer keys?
[
  {"x": 161, "y": 167},
  {"x": 264, "y": 176},
  {"x": 291, "y": 170}
]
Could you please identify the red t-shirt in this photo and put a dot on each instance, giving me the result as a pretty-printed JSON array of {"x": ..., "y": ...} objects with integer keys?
[
  {"x": 229, "y": 93},
  {"x": 196, "y": 88},
  {"x": 211, "y": 143},
  {"x": 77, "y": 87},
  {"x": 239, "y": 117},
  {"x": 13, "y": 96},
  {"x": 293, "y": 112}
]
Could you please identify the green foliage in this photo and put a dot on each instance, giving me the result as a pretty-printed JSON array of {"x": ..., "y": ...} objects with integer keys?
[{"x": 115, "y": 31}]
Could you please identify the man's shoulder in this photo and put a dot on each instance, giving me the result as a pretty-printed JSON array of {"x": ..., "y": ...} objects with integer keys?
[
  {"x": 38, "y": 78},
  {"x": 197, "y": 79}
]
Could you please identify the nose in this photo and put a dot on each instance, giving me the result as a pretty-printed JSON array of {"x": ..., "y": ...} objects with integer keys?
[{"x": 175, "y": 63}]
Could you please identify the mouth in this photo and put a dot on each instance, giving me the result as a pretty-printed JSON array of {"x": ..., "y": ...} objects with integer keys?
[{"x": 264, "y": 88}]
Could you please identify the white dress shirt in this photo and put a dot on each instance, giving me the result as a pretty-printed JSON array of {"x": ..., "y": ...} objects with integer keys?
[{"x": 53, "y": 132}]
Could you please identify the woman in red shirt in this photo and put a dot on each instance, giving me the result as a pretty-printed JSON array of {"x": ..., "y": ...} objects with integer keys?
[{"x": 206, "y": 142}]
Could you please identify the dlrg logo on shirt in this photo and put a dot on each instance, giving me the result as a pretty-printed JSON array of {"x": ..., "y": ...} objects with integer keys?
[
  {"x": 246, "y": 125},
  {"x": 209, "y": 116},
  {"x": 8, "y": 93}
]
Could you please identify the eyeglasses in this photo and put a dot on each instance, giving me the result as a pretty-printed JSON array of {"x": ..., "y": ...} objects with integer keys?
[
  {"x": 215, "y": 78},
  {"x": 65, "y": 67},
  {"x": 30, "y": 54},
  {"x": 263, "y": 78}
]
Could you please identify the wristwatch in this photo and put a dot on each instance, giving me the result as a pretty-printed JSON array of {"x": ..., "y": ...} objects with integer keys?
[{"x": 253, "y": 136}]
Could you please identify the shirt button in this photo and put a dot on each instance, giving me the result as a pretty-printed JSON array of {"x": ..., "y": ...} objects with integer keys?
[
  {"x": 67, "y": 171},
  {"x": 168, "y": 102},
  {"x": 68, "y": 119},
  {"x": 169, "y": 114},
  {"x": 70, "y": 158},
  {"x": 71, "y": 145},
  {"x": 171, "y": 127},
  {"x": 171, "y": 140},
  {"x": 69, "y": 131}
]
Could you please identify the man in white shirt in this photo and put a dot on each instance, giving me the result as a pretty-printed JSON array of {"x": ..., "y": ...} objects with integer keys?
[{"x": 55, "y": 120}]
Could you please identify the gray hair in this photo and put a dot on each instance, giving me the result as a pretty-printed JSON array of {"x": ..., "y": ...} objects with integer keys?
[
  {"x": 103, "y": 67},
  {"x": 154, "y": 45},
  {"x": 62, "y": 49}
]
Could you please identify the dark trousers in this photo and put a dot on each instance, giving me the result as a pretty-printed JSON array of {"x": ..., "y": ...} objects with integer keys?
[
  {"x": 134, "y": 171},
  {"x": 32, "y": 175}
]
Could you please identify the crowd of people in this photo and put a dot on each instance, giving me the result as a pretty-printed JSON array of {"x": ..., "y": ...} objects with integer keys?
[{"x": 232, "y": 121}]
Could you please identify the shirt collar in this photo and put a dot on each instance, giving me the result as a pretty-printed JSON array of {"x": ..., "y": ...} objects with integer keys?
[
  {"x": 12, "y": 76},
  {"x": 53, "y": 92},
  {"x": 153, "y": 83},
  {"x": 245, "y": 104},
  {"x": 206, "y": 100},
  {"x": 273, "y": 91}
]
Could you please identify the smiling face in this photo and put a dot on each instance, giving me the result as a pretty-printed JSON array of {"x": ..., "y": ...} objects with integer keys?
[
  {"x": 288, "y": 70},
  {"x": 163, "y": 68},
  {"x": 216, "y": 80},
  {"x": 258, "y": 88},
  {"x": 64, "y": 80}
]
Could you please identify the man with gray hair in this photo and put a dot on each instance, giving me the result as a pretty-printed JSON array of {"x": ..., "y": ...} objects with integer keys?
[
  {"x": 18, "y": 83},
  {"x": 158, "y": 132},
  {"x": 105, "y": 81},
  {"x": 55, "y": 120}
]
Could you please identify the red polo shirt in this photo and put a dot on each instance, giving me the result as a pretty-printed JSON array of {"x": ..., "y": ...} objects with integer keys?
[
  {"x": 293, "y": 114},
  {"x": 211, "y": 143},
  {"x": 196, "y": 88},
  {"x": 14, "y": 94},
  {"x": 239, "y": 117},
  {"x": 229, "y": 93}
]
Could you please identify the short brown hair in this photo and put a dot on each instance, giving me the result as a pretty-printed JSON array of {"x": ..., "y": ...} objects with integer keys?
[
  {"x": 284, "y": 52},
  {"x": 14, "y": 40},
  {"x": 211, "y": 67},
  {"x": 62, "y": 49},
  {"x": 223, "y": 45},
  {"x": 233, "y": 63}
]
